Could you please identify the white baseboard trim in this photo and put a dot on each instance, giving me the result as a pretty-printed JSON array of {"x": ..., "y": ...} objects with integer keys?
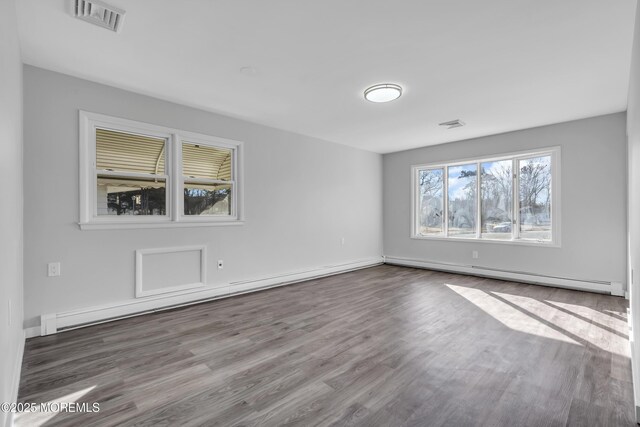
[
  {"x": 55, "y": 322},
  {"x": 634, "y": 366},
  {"x": 613, "y": 288},
  {"x": 286, "y": 279},
  {"x": 16, "y": 371},
  {"x": 15, "y": 382},
  {"x": 32, "y": 332}
]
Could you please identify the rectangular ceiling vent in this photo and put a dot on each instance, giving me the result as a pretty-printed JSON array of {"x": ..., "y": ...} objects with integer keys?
[
  {"x": 99, "y": 13},
  {"x": 457, "y": 123}
]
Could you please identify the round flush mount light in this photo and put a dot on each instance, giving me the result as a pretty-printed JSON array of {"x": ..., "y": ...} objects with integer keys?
[{"x": 383, "y": 92}]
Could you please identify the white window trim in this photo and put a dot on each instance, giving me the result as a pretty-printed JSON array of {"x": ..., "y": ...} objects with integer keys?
[
  {"x": 89, "y": 220},
  {"x": 554, "y": 152}
]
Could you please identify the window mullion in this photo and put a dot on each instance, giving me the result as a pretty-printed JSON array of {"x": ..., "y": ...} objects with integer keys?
[
  {"x": 553, "y": 189},
  {"x": 234, "y": 194},
  {"x": 94, "y": 192},
  {"x": 445, "y": 200},
  {"x": 176, "y": 178},
  {"x": 515, "y": 227},
  {"x": 478, "y": 202},
  {"x": 417, "y": 203},
  {"x": 94, "y": 178}
]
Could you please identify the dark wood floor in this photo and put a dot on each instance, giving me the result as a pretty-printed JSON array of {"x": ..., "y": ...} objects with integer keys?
[{"x": 385, "y": 346}]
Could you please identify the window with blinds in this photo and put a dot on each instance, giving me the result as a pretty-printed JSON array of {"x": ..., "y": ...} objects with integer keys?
[
  {"x": 131, "y": 171},
  {"x": 207, "y": 175},
  {"x": 131, "y": 177}
]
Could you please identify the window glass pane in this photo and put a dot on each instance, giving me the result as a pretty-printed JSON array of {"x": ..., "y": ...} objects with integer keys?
[
  {"x": 202, "y": 161},
  {"x": 126, "y": 152},
  {"x": 462, "y": 200},
  {"x": 496, "y": 199},
  {"x": 535, "y": 198},
  {"x": 207, "y": 199},
  {"x": 131, "y": 196},
  {"x": 431, "y": 195}
]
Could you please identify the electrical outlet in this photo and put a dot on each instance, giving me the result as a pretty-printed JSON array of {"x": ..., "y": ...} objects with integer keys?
[
  {"x": 220, "y": 264},
  {"x": 474, "y": 254},
  {"x": 53, "y": 269}
]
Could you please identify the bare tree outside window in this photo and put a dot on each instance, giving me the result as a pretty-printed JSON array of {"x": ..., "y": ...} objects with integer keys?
[
  {"x": 535, "y": 198},
  {"x": 507, "y": 198},
  {"x": 462, "y": 200},
  {"x": 496, "y": 188},
  {"x": 431, "y": 190}
]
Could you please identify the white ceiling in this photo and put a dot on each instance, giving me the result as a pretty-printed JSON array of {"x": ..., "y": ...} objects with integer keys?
[{"x": 498, "y": 65}]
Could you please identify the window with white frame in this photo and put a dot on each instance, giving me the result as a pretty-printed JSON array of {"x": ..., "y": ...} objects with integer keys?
[
  {"x": 511, "y": 198},
  {"x": 134, "y": 174}
]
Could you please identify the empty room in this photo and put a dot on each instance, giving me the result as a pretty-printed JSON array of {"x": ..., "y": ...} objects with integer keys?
[{"x": 367, "y": 213}]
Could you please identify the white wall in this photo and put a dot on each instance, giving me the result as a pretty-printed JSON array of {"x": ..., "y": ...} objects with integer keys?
[
  {"x": 593, "y": 179},
  {"x": 11, "y": 333},
  {"x": 301, "y": 197},
  {"x": 633, "y": 133}
]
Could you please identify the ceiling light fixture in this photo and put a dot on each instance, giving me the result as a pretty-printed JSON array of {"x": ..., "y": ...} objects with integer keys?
[{"x": 383, "y": 92}]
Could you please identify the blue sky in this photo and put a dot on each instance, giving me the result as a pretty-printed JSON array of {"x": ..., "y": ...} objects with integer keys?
[{"x": 456, "y": 184}]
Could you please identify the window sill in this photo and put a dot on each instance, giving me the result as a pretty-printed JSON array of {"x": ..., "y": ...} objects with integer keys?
[
  {"x": 535, "y": 243},
  {"x": 164, "y": 224}
]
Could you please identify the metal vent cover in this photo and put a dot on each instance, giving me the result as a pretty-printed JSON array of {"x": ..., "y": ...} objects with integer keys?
[
  {"x": 452, "y": 124},
  {"x": 99, "y": 13}
]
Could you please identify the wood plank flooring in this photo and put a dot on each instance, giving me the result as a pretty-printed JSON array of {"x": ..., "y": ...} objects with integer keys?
[{"x": 385, "y": 346}]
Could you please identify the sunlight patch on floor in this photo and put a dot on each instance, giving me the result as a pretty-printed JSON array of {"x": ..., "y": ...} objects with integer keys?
[
  {"x": 607, "y": 317},
  {"x": 37, "y": 419},
  {"x": 579, "y": 321},
  {"x": 507, "y": 315},
  {"x": 572, "y": 323}
]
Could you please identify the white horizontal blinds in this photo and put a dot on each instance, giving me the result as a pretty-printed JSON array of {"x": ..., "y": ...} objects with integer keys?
[
  {"x": 130, "y": 170},
  {"x": 206, "y": 162},
  {"x": 208, "y": 179},
  {"x": 224, "y": 173},
  {"x": 130, "y": 183},
  {"x": 127, "y": 152}
]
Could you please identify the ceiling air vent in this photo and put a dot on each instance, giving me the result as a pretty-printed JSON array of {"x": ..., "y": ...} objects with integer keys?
[
  {"x": 452, "y": 124},
  {"x": 99, "y": 13}
]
